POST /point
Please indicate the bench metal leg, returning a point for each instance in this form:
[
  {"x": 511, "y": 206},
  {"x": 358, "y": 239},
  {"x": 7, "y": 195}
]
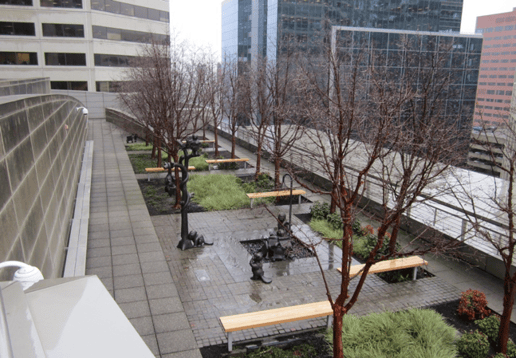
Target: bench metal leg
[
  {"x": 245, "y": 165},
  {"x": 148, "y": 176},
  {"x": 329, "y": 322},
  {"x": 252, "y": 203},
  {"x": 299, "y": 202},
  {"x": 230, "y": 341},
  {"x": 414, "y": 276}
]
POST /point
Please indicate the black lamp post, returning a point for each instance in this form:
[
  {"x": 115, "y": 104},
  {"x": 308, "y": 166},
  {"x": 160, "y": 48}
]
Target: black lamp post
[{"x": 190, "y": 150}]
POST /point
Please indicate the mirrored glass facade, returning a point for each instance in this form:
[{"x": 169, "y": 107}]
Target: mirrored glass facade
[
  {"x": 306, "y": 19},
  {"x": 460, "y": 56}
]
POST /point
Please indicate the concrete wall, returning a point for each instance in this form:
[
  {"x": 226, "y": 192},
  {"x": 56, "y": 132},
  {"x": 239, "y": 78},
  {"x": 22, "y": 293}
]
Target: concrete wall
[
  {"x": 29, "y": 86},
  {"x": 41, "y": 143},
  {"x": 95, "y": 102}
]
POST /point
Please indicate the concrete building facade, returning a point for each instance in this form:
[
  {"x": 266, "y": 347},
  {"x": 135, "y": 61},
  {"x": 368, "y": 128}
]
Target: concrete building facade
[
  {"x": 498, "y": 67},
  {"x": 79, "y": 44}
]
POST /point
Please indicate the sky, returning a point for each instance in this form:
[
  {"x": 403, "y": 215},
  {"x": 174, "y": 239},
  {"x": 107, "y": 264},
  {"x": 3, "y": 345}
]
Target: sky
[{"x": 199, "y": 21}]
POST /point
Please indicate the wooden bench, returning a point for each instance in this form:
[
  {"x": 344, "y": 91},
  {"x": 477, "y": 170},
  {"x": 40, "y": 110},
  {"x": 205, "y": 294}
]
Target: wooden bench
[
  {"x": 268, "y": 194},
  {"x": 243, "y": 321},
  {"x": 208, "y": 141},
  {"x": 219, "y": 161},
  {"x": 149, "y": 171},
  {"x": 390, "y": 265}
]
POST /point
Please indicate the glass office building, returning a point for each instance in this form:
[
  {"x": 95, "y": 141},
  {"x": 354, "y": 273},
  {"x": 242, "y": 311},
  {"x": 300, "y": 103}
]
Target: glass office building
[
  {"x": 460, "y": 56},
  {"x": 273, "y": 19}
]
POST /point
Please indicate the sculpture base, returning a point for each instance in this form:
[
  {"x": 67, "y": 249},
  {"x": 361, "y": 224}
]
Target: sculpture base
[{"x": 193, "y": 240}]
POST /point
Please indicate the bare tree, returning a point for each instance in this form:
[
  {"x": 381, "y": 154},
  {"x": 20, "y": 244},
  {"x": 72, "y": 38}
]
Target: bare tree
[
  {"x": 490, "y": 210},
  {"x": 368, "y": 121},
  {"x": 281, "y": 87},
  {"x": 232, "y": 96},
  {"x": 164, "y": 91},
  {"x": 214, "y": 93},
  {"x": 259, "y": 108}
]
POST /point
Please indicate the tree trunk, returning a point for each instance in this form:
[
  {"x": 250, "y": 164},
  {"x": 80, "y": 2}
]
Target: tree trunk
[
  {"x": 159, "y": 154},
  {"x": 258, "y": 159},
  {"x": 216, "y": 133},
  {"x": 177, "y": 205},
  {"x": 338, "y": 314},
  {"x": 509, "y": 291},
  {"x": 153, "y": 154},
  {"x": 277, "y": 162},
  {"x": 233, "y": 145}
]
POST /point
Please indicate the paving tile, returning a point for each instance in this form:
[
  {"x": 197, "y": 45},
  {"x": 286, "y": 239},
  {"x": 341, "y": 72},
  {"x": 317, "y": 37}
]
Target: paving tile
[
  {"x": 194, "y": 353},
  {"x": 124, "y": 249},
  {"x": 130, "y": 295},
  {"x": 152, "y": 267},
  {"x": 152, "y": 343},
  {"x": 177, "y": 341},
  {"x": 165, "y": 305},
  {"x": 143, "y": 325},
  {"x": 126, "y": 270},
  {"x": 170, "y": 322},
  {"x": 161, "y": 291},
  {"x": 157, "y": 278},
  {"x": 130, "y": 281}
]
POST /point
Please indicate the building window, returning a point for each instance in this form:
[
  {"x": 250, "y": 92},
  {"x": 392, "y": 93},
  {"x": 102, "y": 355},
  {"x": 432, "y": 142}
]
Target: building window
[
  {"x": 107, "y": 86},
  {"x": 65, "y": 59},
  {"x": 63, "y": 30},
  {"x": 16, "y": 2},
  {"x": 508, "y": 93},
  {"x": 108, "y": 33},
  {"x": 17, "y": 28},
  {"x": 74, "y": 4},
  {"x": 125, "y": 9},
  {"x": 112, "y": 60},
  {"x": 18, "y": 58},
  {"x": 69, "y": 85}
]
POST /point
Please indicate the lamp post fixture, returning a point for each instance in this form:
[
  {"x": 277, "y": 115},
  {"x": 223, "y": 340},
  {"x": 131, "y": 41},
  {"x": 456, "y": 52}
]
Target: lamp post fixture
[{"x": 191, "y": 148}]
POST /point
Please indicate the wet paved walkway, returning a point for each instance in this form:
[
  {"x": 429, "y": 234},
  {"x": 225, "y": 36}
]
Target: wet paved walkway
[
  {"x": 124, "y": 251},
  {"x": 174, "y": 298}
]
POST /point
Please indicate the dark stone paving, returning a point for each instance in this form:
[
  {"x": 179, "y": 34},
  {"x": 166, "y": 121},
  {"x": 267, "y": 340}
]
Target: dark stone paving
[{"x": 215, "y": 281}]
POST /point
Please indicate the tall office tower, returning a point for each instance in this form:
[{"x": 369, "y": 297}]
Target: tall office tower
[
  {"x": 79, "y": 44},
  {"x": 498, "y": 67},
  {"x": 236, "y": 29},
  {"x": 302, "y": 20}
]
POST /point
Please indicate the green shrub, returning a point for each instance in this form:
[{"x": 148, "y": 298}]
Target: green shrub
[
  {"x": 406, "y": 334},
  {"x": 363, "y": 246},
  {"x": 500, "y": 355},
  {"x": 335, "y": 221},
  {"x": 218, "y": 192},
  {"x": 320, "y": 211},
  {"x": 326, "y": 230},
  {"x": 138, "y": 146},
  {"x": 511, "y": 349},
  {"x": 489, "y": 326},
  {"x": 357, "y": 228},
  {"x": 473, "y": 345},
  {"x": 199, "y": 163}
]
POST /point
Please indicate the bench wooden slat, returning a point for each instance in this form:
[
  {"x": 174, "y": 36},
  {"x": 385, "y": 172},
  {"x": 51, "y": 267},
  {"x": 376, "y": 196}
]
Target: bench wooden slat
[
  {"x": 389, "y": 265},
  {"x": 276, "y": 316},
  {"x": 156, "y": 170},
  {"x": 217, "y": 161},
  {"x": 275, "y": 193}
]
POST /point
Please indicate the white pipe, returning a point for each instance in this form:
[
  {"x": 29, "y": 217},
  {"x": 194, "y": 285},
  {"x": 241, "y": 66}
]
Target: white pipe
[{"x": 26, "y": 275}]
